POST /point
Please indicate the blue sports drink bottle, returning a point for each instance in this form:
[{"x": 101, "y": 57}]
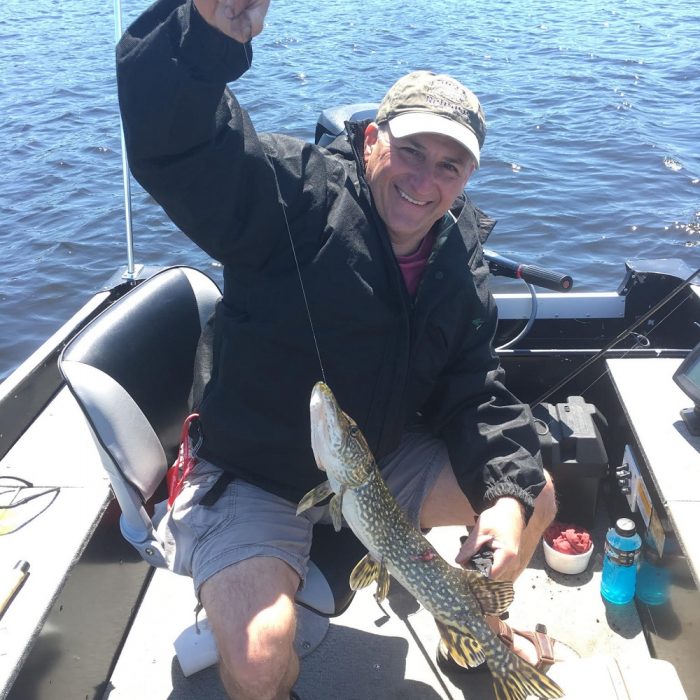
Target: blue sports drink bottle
[{"x": 622, "y": 547}]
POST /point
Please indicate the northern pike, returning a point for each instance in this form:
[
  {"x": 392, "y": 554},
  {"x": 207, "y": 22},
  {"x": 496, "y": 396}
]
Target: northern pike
[{"x": 457, "y": 598}]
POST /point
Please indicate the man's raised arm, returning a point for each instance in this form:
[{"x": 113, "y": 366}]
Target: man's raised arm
[{"x": 189, "y": 143}]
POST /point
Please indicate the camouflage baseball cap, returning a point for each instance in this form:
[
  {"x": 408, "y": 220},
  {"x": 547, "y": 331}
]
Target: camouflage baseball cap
[{"x": 425, "y": 102}]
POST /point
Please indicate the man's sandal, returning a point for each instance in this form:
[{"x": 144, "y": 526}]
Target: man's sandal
[{"x": 548, "y": 649}]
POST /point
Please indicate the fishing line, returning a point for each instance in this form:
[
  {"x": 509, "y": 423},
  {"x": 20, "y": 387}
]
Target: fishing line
[
  {"x": 619, "y": 338},
  {"x": 301, "y": 282},
  {"x": 294, "y": 254},
  {"x": 642, "y": 342}
]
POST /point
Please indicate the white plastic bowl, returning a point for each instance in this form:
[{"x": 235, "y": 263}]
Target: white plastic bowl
[{"x": 566, "y": 563}]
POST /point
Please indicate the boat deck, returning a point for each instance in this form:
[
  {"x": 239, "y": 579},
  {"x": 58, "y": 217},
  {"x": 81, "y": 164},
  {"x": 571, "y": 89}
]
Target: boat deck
[
  {"x": 369, "y": 652},
  {"x": 385, "y": 651}
]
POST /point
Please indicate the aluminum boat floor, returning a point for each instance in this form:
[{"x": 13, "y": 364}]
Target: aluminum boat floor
[
  {"x": 370, "y": 652},
  {"x": 374, "y": 652}
]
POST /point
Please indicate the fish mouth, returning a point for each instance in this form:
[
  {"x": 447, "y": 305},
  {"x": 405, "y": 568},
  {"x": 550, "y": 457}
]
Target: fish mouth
[
  {"x": 324, "y": 423},
  {"x": 326, "y": 426},
  {"x": 322, "y": 404}
]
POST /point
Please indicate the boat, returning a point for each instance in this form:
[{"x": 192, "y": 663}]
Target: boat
[{"x": 97, "y": 616}]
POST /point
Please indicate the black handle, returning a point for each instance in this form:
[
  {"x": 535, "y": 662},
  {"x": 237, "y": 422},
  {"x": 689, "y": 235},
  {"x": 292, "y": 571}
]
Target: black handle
[
  {"x": 545, "y": 278},
  {"x": 505, "y": 267}
]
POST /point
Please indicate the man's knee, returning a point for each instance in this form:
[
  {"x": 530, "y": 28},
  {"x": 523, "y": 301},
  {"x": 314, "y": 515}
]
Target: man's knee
[{"x": 250, "y": 607}]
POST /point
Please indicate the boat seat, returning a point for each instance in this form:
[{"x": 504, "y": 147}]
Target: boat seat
[{"x": 131, "y": 371}]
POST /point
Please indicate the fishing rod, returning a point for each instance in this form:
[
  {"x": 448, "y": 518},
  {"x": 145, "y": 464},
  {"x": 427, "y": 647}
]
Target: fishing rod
[
  {"x": 130, "y": 273},
  {"x": 619, "y": 338}
]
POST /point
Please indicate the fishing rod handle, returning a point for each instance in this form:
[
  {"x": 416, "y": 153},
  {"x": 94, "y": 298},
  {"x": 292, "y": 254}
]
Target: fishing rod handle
[{"x": 548, "y": 279}]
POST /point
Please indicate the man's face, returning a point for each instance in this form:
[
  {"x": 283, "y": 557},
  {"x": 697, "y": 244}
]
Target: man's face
[{"x": 414, "y": 180}]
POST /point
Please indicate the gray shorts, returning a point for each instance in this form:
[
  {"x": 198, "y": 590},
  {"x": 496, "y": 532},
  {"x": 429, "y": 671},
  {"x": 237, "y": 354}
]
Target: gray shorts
[{"x": 246, "y": 521}]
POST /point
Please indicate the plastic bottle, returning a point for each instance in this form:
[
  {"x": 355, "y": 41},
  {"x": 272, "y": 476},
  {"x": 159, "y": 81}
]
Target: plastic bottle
[{"x": 622, "y": 546}]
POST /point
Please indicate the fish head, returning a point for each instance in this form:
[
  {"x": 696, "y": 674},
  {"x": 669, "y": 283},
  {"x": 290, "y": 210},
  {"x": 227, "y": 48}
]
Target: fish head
[{"x": 339, "y": 447}]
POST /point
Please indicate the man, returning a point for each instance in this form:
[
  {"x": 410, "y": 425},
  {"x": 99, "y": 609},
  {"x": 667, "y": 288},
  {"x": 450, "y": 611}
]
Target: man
[{"x": 388, "y": 251}]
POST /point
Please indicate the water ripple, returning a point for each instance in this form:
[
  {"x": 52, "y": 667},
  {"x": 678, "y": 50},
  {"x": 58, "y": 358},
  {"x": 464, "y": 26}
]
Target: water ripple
[{"x": 591, "y": 157}]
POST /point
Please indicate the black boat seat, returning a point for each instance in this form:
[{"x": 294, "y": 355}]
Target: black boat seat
[{"x": 131, "y": 371}]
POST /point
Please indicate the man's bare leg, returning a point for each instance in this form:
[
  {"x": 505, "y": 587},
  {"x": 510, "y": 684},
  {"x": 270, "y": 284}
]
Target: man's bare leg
[{"x": 250, "y": 608}]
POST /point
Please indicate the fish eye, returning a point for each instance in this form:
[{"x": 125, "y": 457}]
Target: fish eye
[{"x": 353, "y": 430}]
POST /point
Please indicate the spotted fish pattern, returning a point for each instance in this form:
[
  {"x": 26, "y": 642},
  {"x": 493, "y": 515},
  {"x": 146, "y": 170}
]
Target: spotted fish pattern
[{"x": 457, "y": 598}]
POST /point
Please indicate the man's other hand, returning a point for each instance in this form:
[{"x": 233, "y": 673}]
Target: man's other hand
[
  {"x": 239, "y": 19},
  {"x": 500, "y": 528}
]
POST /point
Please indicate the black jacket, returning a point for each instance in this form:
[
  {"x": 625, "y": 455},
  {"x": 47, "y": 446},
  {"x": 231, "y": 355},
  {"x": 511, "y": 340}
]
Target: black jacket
[{"x": 391, "y": 360}]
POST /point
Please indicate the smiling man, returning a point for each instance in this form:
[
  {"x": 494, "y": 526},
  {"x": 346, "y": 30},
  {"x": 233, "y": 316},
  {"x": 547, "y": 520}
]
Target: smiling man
[
  {"x": 388, "y": 247},
  {"x": 420, "y": 153}
]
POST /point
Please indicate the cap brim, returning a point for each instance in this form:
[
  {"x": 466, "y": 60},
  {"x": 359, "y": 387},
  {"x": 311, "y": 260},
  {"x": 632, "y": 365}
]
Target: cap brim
[{"x": 411, "y": 123}]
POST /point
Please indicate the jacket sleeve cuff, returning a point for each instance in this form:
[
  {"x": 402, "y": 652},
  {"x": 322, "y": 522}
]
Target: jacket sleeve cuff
[
  {"x": 209, "y": 54},
  {"x": 511, "y": 490}
]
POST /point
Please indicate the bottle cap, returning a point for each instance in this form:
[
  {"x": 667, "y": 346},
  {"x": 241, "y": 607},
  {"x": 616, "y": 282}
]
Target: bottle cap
[{"x": 625, "y": 527}]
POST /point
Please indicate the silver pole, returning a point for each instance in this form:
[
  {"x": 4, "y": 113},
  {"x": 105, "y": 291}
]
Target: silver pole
[{"x": 130, "y": 269}]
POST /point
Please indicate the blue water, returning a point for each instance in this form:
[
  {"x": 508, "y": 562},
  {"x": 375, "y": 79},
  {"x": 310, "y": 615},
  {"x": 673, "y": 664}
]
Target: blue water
[{"x": 592, "y": 153}]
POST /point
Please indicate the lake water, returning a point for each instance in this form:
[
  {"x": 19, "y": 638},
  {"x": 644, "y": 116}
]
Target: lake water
[{"x": 592, "y": 154}]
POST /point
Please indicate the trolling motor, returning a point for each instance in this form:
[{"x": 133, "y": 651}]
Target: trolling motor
[{"x": 501, "y": 266}]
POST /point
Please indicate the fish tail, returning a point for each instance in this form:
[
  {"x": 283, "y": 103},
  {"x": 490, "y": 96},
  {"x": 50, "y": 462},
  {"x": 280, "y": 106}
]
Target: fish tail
[{"x": 520, "y": 680}]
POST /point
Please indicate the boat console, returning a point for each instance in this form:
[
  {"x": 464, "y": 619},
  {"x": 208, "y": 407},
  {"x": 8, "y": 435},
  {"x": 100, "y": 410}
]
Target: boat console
[{"x": 659, "y": 478}]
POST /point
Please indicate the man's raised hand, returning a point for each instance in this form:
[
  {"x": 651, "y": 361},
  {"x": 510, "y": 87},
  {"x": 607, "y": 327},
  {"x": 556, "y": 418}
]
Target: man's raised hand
[{"x": 239, "y": 19}]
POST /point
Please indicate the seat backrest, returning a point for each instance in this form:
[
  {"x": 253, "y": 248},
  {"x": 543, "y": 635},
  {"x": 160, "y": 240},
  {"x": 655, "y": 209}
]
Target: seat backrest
[{"x": 131, "y": 371}]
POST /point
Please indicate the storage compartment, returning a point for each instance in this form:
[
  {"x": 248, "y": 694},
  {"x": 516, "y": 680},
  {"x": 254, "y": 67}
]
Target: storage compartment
[{"x": 574, "y": 454}]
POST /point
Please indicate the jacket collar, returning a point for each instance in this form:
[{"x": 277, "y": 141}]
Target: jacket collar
[{"x": 350, "y": 144}]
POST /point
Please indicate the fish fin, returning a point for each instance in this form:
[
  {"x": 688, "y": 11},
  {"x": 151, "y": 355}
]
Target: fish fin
[
  {"x": 383, "y": 583},
  {"x": 462, "y": 648},
  {"x": 493, "y": 596},
  {"x": 315, "y": 496},
  {"x": 366, "y": 571},
  {"x": 518, "y": 680},
  {"x": 336, "y": 510}
]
